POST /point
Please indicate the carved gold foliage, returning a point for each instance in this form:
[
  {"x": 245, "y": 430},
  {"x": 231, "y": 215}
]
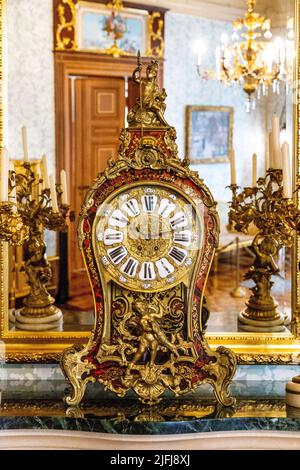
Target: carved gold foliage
[
  {"x": 74, "y": 369},
  {"x": 155, "y": 35},
  {"x": 66, "y": 8},
  {"x": 221, "y": 372},
  {"x": 12, "y": 227},
  {"x": 31, "y": 357},
  {"x": 267, "y": 358}
]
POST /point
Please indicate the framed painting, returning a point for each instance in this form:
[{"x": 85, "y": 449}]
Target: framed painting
[
  {"x": 209, "y": 132},
  {"x": 100, "y": 31}
]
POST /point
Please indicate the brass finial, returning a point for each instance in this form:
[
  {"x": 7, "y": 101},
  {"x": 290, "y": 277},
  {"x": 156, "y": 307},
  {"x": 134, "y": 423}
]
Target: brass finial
[{"x": 150, "y": 107}]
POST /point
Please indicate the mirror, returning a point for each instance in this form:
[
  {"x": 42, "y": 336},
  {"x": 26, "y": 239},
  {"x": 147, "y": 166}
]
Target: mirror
[{"x": 54, "y": 94}]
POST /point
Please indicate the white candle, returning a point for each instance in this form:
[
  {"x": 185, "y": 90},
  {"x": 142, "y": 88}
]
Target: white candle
[
  {"x": 267, "y": 152},
  {"x": 232, "y": 167},
  {"x": 254, "y": 169},
  {"x": 4, "y": 175},
  {"x": 63, "y": 180},
  {"x": 53, "y": 194},
  {"x": 25, "y": 145},
  {"x": 276, "y": 142},
  {"x": 45, "y": 172},
  {"x": 271, "y": 152},
  {"x": 286, "y": 171}
]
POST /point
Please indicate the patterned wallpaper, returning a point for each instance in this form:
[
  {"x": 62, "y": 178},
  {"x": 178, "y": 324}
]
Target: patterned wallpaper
[
  {"x": 185, "y": 88},
  {"x": 31, "y": 83},
  {"x": 31, "y": 77},
  {"x": 31, "y": 88}
]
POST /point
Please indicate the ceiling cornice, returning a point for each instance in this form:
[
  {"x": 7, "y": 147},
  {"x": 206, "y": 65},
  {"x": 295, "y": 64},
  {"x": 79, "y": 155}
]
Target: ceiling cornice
[
  {"x": 224, "y": 10},
  {"x": 213, "y": 9}
]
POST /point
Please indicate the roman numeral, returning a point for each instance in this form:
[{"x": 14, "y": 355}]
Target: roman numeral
[
  {"x": 131, "y": 208},
  {"x": 117, "y": 254},
  {"x": 184, "y": 238},
  {"x": 149, "y": 202},
  {"x": 147, "y": 272},
  {"x": 166, "y": 207},
  {"x": 130, "y": 267},
  {"x": 112, "y": 236},
  {"x": 118, "y": 219},
  {"x": 164, "y": 267},
  {"x": 179, "y": 220},
  {"x": 178, "y": 254}
]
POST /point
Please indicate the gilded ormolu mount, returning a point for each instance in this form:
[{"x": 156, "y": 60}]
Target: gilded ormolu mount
[
  {"x": 149, "y": 334},
  {"x": 276, "y": 219}
]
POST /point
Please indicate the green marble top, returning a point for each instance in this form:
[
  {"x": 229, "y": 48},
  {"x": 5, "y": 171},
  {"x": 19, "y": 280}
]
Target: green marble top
[{"x": 173, "y": 416}]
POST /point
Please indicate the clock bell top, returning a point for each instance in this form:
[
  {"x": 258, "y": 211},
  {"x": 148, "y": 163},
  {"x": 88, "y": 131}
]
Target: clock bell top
[{"x": 150, "y": 107}]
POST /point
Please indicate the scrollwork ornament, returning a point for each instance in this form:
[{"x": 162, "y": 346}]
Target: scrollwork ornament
[
  {"x": 155, "y": 35},
  {"x": 65, "y": 32},
  {"x": 12, "y": 227}
]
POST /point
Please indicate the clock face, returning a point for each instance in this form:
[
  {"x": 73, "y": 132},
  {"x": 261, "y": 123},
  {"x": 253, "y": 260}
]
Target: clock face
[{"x": 147, "y": 237}]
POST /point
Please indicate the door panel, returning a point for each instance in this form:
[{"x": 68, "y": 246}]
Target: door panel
[{"x": 99, "y": 113}]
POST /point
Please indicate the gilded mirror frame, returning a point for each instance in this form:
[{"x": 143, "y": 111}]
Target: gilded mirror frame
[{"x": 250, "y": 348}]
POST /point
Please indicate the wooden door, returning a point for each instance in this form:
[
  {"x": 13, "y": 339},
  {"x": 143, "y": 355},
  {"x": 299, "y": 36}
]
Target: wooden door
[{"x": 99, "y": 116}]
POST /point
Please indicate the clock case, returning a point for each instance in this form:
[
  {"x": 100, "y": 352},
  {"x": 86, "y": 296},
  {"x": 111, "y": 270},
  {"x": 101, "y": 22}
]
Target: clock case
[{"x": 148, "y": 342}]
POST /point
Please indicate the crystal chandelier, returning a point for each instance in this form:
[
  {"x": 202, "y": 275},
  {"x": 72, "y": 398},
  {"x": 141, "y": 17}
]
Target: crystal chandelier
[{"x": 252, "y": 60}]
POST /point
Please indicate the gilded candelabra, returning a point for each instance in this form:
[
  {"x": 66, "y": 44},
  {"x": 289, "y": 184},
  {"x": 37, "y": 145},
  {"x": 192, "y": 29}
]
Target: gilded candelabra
[
  {"x": 23, "y": 222},
  {"x": 276, "y": 219}
]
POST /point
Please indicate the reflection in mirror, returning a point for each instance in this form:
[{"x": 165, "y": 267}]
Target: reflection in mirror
[
  {"x": 214, "y": 119},
  {"x": 213, "y": 83}
]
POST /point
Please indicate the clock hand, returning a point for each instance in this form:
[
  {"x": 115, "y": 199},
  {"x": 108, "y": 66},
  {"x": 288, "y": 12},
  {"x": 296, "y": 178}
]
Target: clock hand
[{"x": 158, "y": 235}]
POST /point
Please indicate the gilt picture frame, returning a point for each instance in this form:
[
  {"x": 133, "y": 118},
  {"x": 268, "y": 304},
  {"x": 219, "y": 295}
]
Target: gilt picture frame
[
  {"x": 92, "y": 19},
  {"x": 209, "y": 133}
]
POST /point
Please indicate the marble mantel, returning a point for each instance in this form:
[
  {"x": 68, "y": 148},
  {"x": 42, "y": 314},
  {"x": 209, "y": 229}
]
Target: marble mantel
[{"x": 33, "y": 415}]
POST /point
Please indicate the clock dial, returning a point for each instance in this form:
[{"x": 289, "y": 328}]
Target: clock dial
[{"x": 148, "y": 238}]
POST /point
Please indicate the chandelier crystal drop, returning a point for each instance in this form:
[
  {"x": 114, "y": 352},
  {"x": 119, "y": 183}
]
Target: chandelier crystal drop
[{"x": 253, "y": 59}]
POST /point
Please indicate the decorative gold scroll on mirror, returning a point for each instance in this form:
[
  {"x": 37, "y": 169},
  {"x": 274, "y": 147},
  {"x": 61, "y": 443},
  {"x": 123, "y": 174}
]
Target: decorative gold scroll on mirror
[{"x": 55, "y": 84}]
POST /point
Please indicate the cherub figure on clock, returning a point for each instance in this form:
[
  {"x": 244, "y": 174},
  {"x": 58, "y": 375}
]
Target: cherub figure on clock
[{"x": 148, "y": 231}]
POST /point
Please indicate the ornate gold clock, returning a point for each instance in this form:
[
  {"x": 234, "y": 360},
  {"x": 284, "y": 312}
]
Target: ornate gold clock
[
  {"x": 148, "y": 230},
  {"x": 148, "y": 238}
]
